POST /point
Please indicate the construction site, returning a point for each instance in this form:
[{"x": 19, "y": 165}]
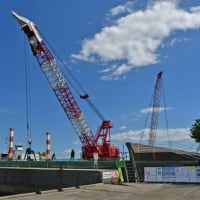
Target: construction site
[{"x": 24, "y": 170}]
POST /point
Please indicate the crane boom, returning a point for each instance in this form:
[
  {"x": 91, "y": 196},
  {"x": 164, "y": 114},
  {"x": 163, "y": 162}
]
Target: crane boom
[
  {"x": 155, "y": 111},
  {"x": 64, "y": 95}
]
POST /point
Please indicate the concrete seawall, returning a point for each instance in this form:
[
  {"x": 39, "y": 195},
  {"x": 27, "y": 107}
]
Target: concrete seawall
[{"x": 22, "y": 180}]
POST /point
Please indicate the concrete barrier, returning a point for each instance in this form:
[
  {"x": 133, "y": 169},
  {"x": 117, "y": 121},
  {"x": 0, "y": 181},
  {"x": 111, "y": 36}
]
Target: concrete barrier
[{"x": 22, "y": 180}]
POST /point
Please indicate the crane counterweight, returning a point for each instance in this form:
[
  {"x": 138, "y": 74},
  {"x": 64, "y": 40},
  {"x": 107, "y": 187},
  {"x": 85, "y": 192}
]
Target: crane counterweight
[{"x": 64, "y": 95}]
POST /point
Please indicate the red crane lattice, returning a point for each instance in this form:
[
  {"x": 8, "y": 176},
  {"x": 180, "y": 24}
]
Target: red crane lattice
[
  {"x": 59, "y": 85},
  {"x": 155, "y": 109}
]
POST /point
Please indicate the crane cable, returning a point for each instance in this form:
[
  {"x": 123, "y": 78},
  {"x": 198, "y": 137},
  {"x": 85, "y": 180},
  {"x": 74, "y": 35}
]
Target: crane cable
[
  {"x": 28, "y": 96},
  {"x": 65, "y": 67},
  {"x": 166, "y": 118},
  {"x": 145, "y": 123},
  {"x": 85, "y": 96},
  {"x": 63, "y": 64}
]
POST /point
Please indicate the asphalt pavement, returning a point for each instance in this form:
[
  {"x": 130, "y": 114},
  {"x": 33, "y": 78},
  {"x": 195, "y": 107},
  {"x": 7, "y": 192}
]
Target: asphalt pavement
[{"x": 126, "y": 191}]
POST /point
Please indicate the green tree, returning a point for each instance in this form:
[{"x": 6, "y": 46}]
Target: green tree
[{"x": 195, "y": 130}]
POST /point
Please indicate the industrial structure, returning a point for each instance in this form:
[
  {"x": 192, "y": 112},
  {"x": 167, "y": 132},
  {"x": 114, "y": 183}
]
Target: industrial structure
[
  {"x": 11, "y": 144},
  {"x": 155, "y": 109},
  {"x": 49, "y": 65},
  {"x": 142, "y": 156},
  {"x": 48, "y": 145}
]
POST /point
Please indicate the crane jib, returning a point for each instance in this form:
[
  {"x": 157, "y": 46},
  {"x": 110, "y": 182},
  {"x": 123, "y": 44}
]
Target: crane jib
[
  {"x": 64, "y": 95},
  {"x": 58, "y": 83}
]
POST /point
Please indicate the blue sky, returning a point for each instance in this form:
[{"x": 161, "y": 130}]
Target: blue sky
[{"x": 115, "y": 50}]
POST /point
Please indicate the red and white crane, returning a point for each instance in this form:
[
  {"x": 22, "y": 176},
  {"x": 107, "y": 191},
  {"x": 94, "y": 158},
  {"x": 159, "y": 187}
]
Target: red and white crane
[
  {"x": 155, "y": 109},
  {"x": 59, "y": 85}
]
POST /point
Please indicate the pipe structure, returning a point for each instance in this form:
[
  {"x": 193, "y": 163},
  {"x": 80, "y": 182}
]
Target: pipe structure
[
  {"x": 48, "y": 142},
  {"x": 11, "y": 144}
]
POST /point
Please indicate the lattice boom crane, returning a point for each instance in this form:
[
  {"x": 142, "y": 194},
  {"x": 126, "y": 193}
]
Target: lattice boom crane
[
  {"x": 64, "y": 95},
  {"x": 155, "y": 111}
]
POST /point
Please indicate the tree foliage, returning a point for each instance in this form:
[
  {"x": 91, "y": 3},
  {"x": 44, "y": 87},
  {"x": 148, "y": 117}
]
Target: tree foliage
[{"x": 195, "y": 130}]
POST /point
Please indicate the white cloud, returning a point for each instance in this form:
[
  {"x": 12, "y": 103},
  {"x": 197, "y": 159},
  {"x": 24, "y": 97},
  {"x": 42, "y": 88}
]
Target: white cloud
[
  {"x": 67, "y": 153},
  {"x": 131, "y": 116},
  {"x": 195, "y": 9},
  {"x": 150, "y": 110},
  {"x": 177, "y": 40},
  {"x": 129, "y": 136},
  {"x": 173, "y": 41},
  {"x": 121, "y": 9},
  {"x": 133, "y": 40},
  {"x": 176, "y": 137},
  {"x": 6, "y": 111},
  {"x": 77, "y": 142},
  {"x": 122, "y": 127}
]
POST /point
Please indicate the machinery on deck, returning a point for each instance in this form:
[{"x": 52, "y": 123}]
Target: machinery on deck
[
  {"x": 155, "y": 111},
  {"x": 59, "y": 85}
]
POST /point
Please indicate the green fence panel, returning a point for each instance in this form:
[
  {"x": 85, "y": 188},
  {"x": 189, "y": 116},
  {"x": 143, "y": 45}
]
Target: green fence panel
[{"x": 78, "y": 164}]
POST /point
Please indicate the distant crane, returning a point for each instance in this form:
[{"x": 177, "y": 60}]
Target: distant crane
[
  {"x": 155, "y": 109},
  {"x": 59, "y": 85}
]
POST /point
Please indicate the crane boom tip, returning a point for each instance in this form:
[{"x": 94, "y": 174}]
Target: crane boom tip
[
  {"x": 22, "y": 20},
  {"x": 13, "y": 13}
]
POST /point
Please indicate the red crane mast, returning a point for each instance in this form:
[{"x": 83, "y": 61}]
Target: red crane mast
[
  {"x": 59, "y": 85},
  {"x": 155, "y": 109}
]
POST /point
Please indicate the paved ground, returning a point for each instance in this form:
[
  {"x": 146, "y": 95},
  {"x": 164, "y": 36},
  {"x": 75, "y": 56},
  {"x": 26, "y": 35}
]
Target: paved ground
[{"x": 118, "y": 192}]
